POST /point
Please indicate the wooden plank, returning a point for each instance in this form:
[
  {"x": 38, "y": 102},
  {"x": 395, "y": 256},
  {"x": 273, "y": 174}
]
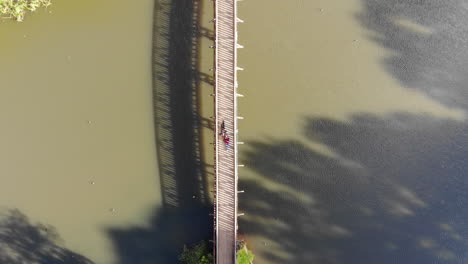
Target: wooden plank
[{"x": 226, "y": 110}]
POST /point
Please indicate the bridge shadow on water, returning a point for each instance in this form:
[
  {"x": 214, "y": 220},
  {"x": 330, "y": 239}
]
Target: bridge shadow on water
[
  {"x": 185, "y": 215},
  {"x": 378, "y": 188}
]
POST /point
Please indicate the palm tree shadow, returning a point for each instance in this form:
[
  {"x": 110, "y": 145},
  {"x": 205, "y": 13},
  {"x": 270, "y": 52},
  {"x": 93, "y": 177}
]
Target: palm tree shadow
[
  {"x": 427, "y": 40},
  {"x": 376, "y": 189},
  {"x": 388, "y": 190},
  {"x": 24, "y": 242}
]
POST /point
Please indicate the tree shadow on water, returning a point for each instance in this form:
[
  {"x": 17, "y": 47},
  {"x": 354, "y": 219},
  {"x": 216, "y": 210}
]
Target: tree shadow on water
[
  {"x": 428, "y": 43},
  {"x": 376, "y": 189},
  {"x": 163, "y": 241},
  {"x": 24, "y": 242},
  {"x": 373, "y": 190}
]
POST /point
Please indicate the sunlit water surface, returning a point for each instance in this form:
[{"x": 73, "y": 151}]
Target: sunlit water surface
[
  {"x": 78, "y": 149},
  {"x": 355, "y": 131}
]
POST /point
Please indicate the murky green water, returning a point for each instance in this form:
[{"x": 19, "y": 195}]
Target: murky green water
[
  {"x": 77, "y": 126},
  {"x": 105, "y": 132},
  {"x": 355, "y": 131}
]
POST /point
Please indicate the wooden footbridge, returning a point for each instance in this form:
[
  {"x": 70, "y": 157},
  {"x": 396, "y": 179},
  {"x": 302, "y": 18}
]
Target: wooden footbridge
[{"x": 225, "y": 71}]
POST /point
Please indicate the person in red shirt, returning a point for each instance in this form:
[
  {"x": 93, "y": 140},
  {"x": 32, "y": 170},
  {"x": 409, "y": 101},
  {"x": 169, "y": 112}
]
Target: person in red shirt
[{"x": 226, "y": 141}]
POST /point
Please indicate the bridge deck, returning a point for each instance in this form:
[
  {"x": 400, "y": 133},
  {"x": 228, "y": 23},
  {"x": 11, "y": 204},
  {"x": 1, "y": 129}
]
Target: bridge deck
[{"x": 226, "y": 110}]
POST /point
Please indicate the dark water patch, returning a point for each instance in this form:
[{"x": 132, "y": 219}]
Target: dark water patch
[
  {"x": 176, "y": 90},
  {"x": 184, "y": 217},
  {"x": 22, "y": 241},
  {"x": 434, "y": 59},
  {"x": 393, "y": 192},
  {"x": 164, "y": 239}
]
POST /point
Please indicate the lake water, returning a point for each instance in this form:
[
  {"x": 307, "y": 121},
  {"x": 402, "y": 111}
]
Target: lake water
[
  {"x": 355, "y": 131},
  {"x": 105, "y": 119},
  {"x": 78, "y": 150}
]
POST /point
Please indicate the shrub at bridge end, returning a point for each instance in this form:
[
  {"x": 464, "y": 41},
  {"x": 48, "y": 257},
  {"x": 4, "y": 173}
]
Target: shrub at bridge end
[
  {"x": 244, "y": 255},
  {"x": 196, "y": 254}
]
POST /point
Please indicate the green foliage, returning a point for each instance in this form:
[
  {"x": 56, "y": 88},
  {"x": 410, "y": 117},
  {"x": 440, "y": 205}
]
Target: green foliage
[
  {"x": 17, "y": 8},
  {"x": 196, "y": 254},
  {"x": 204, "y": 260},
  {"x": 244, "y": 256}
]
